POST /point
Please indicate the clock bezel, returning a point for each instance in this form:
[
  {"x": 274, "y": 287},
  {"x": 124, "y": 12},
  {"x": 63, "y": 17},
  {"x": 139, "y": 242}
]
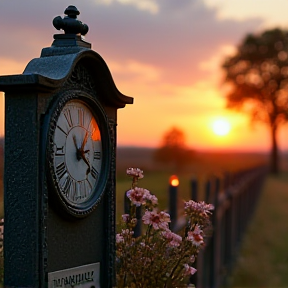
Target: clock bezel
[{"x": 59, "y": 202}]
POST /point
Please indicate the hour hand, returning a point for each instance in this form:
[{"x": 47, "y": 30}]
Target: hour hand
[
  {"x": 75, "y": 142},
  {"x": 78, "y": 151}
]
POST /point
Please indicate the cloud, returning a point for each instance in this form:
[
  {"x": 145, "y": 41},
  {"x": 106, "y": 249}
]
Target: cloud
[
  {"x": 147, "y": 5},
  {"x": 174, "y": 40},
  {"x": 273, "y": 13}
]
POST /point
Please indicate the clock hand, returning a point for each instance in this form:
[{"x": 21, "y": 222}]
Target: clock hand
[
  {"x": 84, "y": 141},
  {"x": 83, "y": 152},
  {"x": 78, "y": 151},
  {"x": 75, "y": 142}
]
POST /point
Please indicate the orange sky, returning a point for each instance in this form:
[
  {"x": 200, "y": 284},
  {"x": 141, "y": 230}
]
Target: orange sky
[{"x": 165, "y": 54}]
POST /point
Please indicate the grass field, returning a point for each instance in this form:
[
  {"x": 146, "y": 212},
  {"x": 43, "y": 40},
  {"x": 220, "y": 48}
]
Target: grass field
[
  {"x": 157, "y": 176},
  {"x": 263, "y": 259}
]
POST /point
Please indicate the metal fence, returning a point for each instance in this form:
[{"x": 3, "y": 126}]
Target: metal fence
[
  {"x": 235, "y": 198},
  {"x": 234, "y": 207}
]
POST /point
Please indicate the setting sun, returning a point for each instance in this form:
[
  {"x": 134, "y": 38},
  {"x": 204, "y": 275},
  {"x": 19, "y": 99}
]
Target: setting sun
[{"x": 221, "y": 127}]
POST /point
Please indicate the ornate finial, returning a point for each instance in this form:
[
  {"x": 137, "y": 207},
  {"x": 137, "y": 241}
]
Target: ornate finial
[{"x": 69, "y": 23}]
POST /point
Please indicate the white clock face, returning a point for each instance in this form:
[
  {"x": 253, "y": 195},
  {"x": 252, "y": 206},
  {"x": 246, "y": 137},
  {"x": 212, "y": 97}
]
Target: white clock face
[{"x": 77, "y": 152}]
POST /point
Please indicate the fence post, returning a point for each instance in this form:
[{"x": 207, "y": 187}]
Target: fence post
[
  {"x": 205, "y": 262},
  {"x": 173, "y": 191},
  {"x": 208, "y": 191},
  {"x": 194, "y": 189},
  {"x": 216, "y": 238}
]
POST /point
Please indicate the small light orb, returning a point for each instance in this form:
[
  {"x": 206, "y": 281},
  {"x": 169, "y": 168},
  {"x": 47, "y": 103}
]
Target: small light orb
[{"x": 174, "y": 181}]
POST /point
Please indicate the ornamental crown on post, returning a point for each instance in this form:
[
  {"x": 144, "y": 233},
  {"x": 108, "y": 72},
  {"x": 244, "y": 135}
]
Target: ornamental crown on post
[{"x": 69, "y": 23}]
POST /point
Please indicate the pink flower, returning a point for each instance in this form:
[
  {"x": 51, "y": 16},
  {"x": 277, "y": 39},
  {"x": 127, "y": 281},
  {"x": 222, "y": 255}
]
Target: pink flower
[
  {"x": 200, "y": 207},
  {"x": 195, "y": 236},
  {"x": 137, "y": 195},
  {"x": 165, "y": 217},
  {"x": 126, "y": 233},
  {"x": 174, "y": 239},
  {"x": 157, "y": 220},
  {"x": 188, "y": 270},
  {"x": 119, "y": 238},
  {"x": 135, "y": 172},
  {"x": 126, "y": 218},
  {"x": 151, "y": 198}
]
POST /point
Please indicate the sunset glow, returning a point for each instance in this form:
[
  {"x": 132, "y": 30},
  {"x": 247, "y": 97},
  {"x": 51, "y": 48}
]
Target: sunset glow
[
  {"x": 173, "y": 72},
  {"x": 221, "y": 127}
]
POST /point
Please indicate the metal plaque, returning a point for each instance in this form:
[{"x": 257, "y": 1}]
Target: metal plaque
[{"x": 86, "y": 276}]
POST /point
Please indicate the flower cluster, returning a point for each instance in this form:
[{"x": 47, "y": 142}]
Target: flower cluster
[
  {"x": 198, "y": 211},
  {"x": 159, "y": 257},
  {"x": 135, "y": 172}
]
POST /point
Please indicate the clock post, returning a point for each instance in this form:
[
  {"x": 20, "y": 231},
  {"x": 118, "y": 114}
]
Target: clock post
[{"x": 60, "y": 162}]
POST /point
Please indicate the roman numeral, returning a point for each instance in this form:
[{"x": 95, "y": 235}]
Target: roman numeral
[
  {"x": 67, "y": 114},
  {"x": 66, "y": 186},
  {"x": 94, "y": 173},
  {"x": 86, "y": 188},
  {"x": 97, "y": 155},
  {"x": 61, "y": 170},
  {"x": 60, "y": 151},
  {"x": 81, "y": 117},
  {"x": 77, "y": 191}
]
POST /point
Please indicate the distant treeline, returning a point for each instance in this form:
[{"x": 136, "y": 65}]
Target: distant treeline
[{"x": 204, "y": 162}]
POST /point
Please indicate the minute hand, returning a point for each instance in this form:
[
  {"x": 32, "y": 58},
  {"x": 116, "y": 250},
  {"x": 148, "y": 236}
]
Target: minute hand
[
  {"x": 84, "y": 142},
  {"x": 82, "y": 153}
]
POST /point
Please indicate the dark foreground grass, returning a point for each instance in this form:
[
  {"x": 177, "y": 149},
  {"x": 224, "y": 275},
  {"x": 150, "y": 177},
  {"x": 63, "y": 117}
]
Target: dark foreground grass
[{"x": 263, "y": 259}]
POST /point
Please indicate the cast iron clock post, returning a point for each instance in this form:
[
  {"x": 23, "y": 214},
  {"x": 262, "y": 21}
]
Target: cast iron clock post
[{"x": 60, "y": 162}]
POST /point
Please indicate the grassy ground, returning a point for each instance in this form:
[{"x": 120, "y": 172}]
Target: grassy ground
[
  {"x": 156, "y": 177},
  {"x": 263, "y": 259}
]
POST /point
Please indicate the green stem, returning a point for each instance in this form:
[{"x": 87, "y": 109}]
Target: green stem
[{"x": 177, "y": 263}]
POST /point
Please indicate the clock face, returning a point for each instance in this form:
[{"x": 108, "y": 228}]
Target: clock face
[{"x": 76, "y": 154}]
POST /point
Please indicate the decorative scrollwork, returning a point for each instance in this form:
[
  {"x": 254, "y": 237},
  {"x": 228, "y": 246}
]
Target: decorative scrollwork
[{"x": 81, "y": 79}]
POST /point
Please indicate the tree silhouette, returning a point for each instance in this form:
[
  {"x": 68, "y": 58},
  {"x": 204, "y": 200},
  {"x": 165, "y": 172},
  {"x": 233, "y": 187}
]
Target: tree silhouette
[
  {"x": 173, "y": 149},
  {"x": 258, "y": 75}
]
